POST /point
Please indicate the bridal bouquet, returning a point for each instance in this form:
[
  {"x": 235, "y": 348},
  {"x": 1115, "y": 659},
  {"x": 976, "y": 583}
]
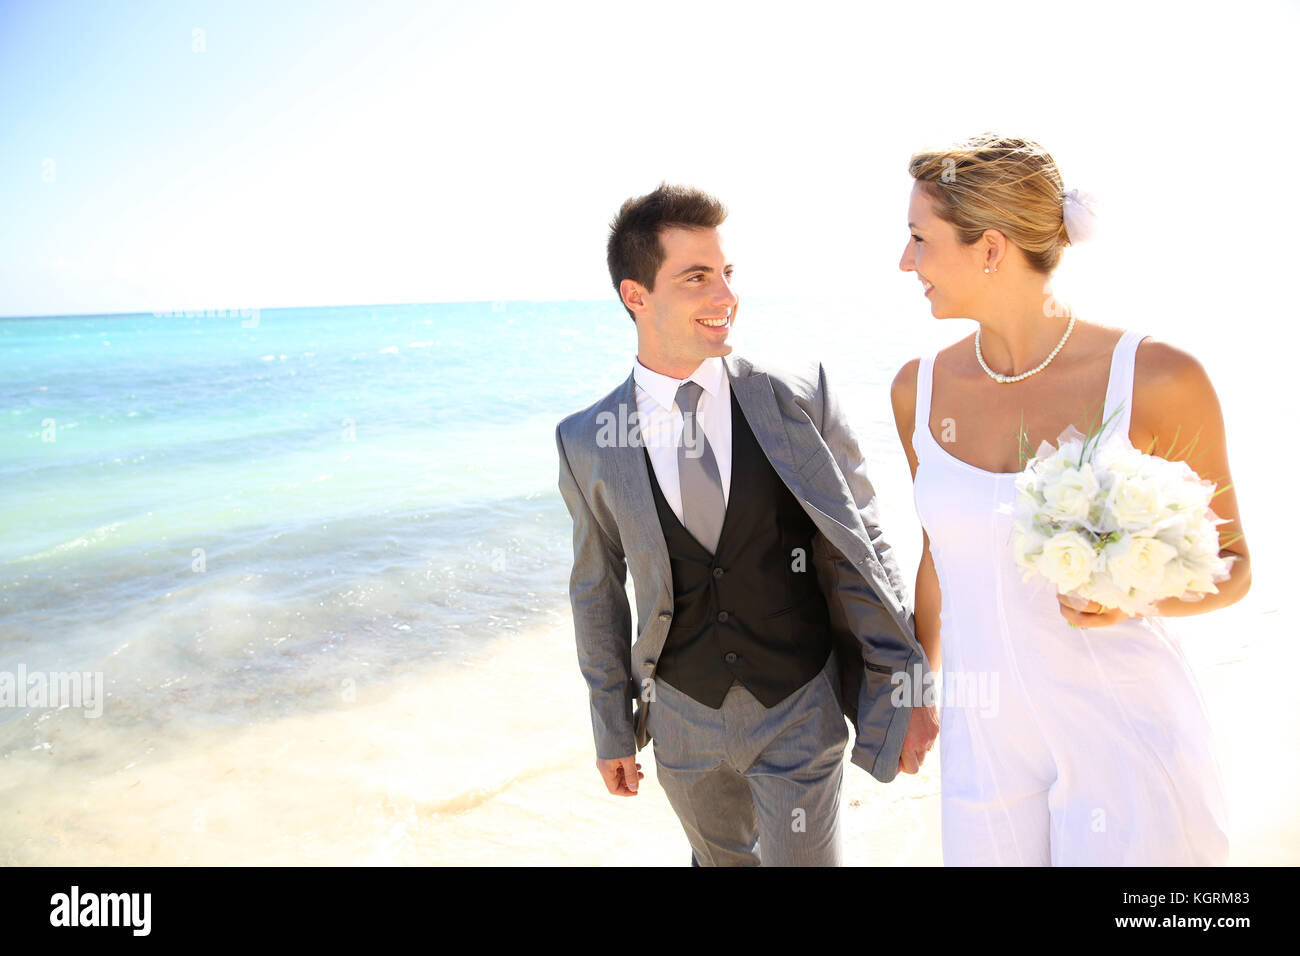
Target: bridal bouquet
[{"x": 1106, "y": 523}]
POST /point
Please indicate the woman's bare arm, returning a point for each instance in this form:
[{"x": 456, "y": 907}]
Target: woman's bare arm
[
  {"x": 928, "y": 599},
  {"x": 1174, "y": 404},
  {"x": 1176, "y": 415}
]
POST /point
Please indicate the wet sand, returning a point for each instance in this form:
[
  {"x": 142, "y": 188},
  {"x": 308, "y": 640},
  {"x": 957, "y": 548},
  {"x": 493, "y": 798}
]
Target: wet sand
[{"x": 445, "y": 768}]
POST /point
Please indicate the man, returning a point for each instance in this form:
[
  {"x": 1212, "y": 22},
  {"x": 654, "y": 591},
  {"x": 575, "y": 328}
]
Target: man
[{"x": 769, "y": 605}]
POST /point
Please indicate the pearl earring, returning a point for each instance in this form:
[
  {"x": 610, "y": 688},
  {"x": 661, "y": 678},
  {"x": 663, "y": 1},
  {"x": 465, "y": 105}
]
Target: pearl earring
[{"x": 986, "y": 269}]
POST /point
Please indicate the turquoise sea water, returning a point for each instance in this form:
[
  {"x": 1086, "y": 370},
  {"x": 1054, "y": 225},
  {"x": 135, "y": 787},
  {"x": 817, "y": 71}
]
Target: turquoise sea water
[{"x": 225, "y": 520}]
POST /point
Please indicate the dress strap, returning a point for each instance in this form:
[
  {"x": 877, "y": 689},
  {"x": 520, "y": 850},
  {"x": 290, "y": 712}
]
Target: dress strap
[
  {"x": 924, "y": 387},
  {"x": 1119, "y": 388}
]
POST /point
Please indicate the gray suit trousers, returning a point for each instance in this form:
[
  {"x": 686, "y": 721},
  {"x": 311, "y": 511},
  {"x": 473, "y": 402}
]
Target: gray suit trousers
[{"x": 750, "y": 784}]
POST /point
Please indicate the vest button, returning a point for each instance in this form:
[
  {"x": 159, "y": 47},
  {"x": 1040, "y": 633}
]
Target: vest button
[
  {"x": 730, "y": 658},
  {"x": 722, "y": 617},
  {"x": 665, "y": 616},
  {"x": 717, "y": 572}
]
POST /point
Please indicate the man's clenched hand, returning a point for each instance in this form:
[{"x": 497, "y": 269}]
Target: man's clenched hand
[
  {"x": 620, "y": 775},
  {"x": 921, "y": 731}
]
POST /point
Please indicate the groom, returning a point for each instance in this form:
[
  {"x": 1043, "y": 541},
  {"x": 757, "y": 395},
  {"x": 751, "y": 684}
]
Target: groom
[{"x": 769, "y": 605}]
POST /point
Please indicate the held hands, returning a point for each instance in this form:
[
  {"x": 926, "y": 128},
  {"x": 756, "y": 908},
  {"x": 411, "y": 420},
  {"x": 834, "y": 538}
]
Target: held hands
[
  {"x": 1080, "y": 613},
  {"x": 620, "y": 775},
  {"x": 921, "y": 731}
]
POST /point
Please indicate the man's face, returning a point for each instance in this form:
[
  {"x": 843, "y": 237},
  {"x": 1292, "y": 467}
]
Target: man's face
[{"x": 689, "y": 315}]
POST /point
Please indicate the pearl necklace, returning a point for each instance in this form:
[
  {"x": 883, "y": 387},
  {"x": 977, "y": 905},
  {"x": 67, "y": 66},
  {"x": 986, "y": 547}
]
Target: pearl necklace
[{"x": 1005, "y": 379}]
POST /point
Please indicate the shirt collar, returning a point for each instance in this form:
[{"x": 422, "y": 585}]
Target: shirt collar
[{"x": 663, "y": 388}]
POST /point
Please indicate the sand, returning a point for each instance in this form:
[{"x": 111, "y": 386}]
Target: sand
[
  {"x": 898, "y": 824},
  {"x": 491, "y": 763}
]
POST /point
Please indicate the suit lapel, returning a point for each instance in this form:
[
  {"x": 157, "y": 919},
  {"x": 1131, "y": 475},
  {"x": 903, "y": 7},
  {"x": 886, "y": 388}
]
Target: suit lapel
[
  {"x": 634, "y": 486},
  {"x": 754, "y": 394}
]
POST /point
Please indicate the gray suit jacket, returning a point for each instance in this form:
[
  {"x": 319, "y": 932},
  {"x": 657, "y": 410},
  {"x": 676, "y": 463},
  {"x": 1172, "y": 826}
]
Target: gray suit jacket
[{"x": 606, "y": 486}]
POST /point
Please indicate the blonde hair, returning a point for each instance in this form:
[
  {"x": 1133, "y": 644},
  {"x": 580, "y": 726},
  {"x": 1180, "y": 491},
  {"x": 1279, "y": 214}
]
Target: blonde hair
[{"x": 998, "y": 182}]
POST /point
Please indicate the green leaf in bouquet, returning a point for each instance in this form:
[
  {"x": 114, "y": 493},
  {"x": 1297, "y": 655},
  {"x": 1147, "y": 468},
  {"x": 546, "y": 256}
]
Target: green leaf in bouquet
[
  {"x": 1187, "y": 452},
  {"x": 1228, "y": 540},
  {"x": 1220, "y": 491},
  {"x": 1174, "y": 453},
  {"x": 1024, "y": 449},
  {"x": 1093, "y": 438},
  {"x": 1173, "y": 443}
]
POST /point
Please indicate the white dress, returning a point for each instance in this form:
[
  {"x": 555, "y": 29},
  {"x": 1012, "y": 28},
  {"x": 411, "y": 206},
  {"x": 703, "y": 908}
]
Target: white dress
[{"x": 1060, "y": 746}]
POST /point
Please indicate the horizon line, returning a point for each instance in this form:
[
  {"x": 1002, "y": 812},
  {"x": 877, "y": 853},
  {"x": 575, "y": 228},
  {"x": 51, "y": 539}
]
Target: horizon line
[
  {"x": 333, "y": 305},
  {"x": 274, "y": 308}
]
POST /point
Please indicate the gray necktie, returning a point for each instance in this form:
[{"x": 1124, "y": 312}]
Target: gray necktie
[{"x": 703, "y": 505}]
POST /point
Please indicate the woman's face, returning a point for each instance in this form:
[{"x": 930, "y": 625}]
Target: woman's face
[{"x": 951, "y": 273}]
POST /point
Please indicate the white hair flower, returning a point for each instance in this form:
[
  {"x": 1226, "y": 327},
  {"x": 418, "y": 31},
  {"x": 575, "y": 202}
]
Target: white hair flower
[{"x": 1080, "y": 212}]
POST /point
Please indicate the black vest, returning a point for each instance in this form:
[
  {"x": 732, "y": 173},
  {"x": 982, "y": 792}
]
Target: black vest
[{"x": 753, "y": 612}]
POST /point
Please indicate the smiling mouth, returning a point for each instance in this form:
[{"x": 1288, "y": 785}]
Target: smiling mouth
[
  {"x": 721, "y": 322},
  {"x": 929, "y": 286}
]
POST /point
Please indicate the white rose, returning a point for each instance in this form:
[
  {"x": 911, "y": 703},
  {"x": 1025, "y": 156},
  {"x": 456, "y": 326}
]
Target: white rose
[
  {"x": 1069, "y": 497},
  {"x": 1194, "y": 537},
  {"x": 1103, "y": 589},
  {"x": 1026, "y": 508},
  {"x": 1040, "y": 472},
  {"x": 1070, "y": 452},
  {"x": 1201, "y": 542},
  {"x": 1183, "y": 576},
  {"x": 1178, "y": 531},
  {"x": 1190, "y": 494},
  {"x": 1138, "y": 562},
  {"x": 1118, "y": 457},
  {"x": 1067, "y": 560},
  {"x": 1135, "y": 502},
  {"x": 1139, "y": 604},
  {"x": 1026, "y": 544}
]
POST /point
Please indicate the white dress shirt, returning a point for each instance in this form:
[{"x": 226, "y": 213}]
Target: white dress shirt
[{"x": 661, "y": 423}]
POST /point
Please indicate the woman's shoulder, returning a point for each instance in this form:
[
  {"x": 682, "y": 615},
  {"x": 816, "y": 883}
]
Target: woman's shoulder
[
  {"x": 1159, "y": 364},
  {"x": 904, "y": 383},
  {"x": 905, "y": 379},
  {"x": 960, "y": 350},
  {"x": 1171, "y": 389},
  {"x": 1156, "y": 356},
  {"x": 902, "y": 391}
]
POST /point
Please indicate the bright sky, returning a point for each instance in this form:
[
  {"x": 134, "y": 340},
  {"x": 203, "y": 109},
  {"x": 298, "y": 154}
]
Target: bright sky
[{"x": 172, "y": 155}]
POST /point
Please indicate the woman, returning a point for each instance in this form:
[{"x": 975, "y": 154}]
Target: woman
[{"x": 1096, "y": 749}]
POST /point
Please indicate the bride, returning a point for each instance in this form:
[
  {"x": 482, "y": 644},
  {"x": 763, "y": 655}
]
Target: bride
[{"x": 1096, "y": 749}]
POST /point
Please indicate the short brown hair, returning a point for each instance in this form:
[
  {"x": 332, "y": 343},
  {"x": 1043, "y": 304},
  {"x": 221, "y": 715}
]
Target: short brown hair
[
  {"x": 634, "y": 250},
  {"x": 1003, "y": 183}
]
